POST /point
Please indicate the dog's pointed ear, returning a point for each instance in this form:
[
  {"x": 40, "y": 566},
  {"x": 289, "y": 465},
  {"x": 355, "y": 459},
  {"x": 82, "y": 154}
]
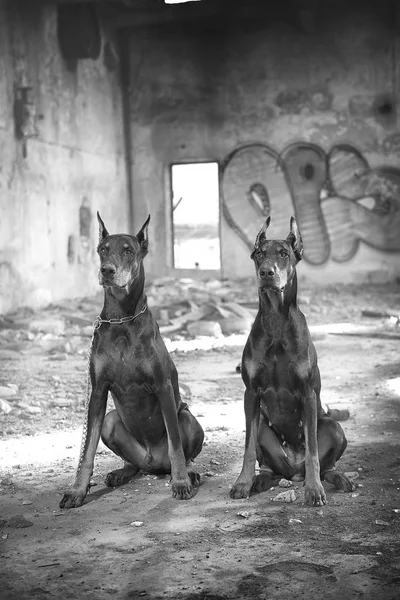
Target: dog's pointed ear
[
  {"x": 295, "y": 240},
  {"x": 143, "y": 235},
  {"x": 103, "y": 233},
  {"x": 261, "y": 236}
]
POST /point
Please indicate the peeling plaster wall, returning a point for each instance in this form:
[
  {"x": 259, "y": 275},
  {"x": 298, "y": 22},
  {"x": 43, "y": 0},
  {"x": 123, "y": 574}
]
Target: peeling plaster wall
[
  {"x": 48, "y": 200},
  {"x": 200, "y": 90}
]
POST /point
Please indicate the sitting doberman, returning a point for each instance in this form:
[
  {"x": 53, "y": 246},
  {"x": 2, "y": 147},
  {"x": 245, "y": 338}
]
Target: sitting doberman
[
  {"x": 151, "y": 429},
  {"x": 287, "y": 430}
]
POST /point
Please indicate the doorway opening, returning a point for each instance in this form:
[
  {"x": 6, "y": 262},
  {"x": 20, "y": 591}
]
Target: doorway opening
[{"x": 195, "y": 216}]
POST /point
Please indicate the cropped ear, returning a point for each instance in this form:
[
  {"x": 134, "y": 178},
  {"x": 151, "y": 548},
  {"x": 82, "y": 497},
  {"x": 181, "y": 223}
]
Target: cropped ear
[
  {"x": 143, "y": 235},
  {"x": 103, "y": 233},
  {"x": 295, "y": 240},
  {"x": 261, "y": 236}
]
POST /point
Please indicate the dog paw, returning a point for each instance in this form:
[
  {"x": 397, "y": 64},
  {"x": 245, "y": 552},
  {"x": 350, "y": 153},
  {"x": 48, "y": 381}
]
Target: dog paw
[
  {"x": 240, "y": 490},
  {"x": 120, "y": 476},
  {"x": 194, "y": 478},
  {"x": 183, "y": 490},
  {"x": 339, "y": 480},
  {"x": 315, "y": 495},
  {"x": 342, "y": 482},
  {"x": 262, "y": 482},
  {"x": 72, "y": 499}
]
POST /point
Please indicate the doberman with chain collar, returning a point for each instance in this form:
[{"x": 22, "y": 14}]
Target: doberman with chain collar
[
  {"x": 151, "y": 429},
  {"x": 287, "y": 431}
]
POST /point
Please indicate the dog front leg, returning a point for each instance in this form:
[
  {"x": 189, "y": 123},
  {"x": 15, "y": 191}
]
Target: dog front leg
[
  {"x": 91, "y": 435},
  {"x": 242, "y": 486},
  {"x": 314, "y": 491},
  {"x": 182, "y": 488}
]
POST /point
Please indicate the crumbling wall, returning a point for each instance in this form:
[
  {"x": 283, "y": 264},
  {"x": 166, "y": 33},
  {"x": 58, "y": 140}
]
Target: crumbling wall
[
  {"x": 52, "y": 184},
  {"x": 300, "y": 109}
]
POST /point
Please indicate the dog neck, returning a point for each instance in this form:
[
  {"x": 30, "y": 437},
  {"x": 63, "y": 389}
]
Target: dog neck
[
  {"x": 125, "y": 302},
  {"x": 275, "y": 305}
]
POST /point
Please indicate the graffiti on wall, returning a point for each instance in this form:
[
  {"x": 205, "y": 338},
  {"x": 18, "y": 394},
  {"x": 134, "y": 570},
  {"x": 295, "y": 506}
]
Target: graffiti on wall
[{"x": 338, "y": 200}]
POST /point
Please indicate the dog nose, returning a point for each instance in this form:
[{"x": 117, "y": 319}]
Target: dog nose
[
  {"x": 108, "y": 270},
  {"x": 265, "y": 273}
]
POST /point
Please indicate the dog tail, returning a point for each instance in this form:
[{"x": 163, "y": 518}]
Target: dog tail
[{"x": 338, "y": 414}]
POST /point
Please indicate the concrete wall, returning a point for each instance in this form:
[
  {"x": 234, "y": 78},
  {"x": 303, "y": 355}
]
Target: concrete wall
[
  {"x": 75, "y": 166},
  {"x": 301, "y": 112}
]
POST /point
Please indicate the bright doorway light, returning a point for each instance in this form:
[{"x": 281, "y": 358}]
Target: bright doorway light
[{"x": 195, "y": 216}]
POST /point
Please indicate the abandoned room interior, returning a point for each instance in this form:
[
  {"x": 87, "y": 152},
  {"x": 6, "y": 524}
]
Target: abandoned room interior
[{"x": 211, "y": 116}]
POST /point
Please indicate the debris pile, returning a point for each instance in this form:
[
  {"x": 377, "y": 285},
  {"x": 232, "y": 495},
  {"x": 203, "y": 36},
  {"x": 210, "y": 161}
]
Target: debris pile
[{"x": 212, "y": 308}]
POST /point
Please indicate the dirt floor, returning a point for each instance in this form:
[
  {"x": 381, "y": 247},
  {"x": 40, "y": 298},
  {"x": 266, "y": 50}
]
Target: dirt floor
[{"x": 137, "y": 542}]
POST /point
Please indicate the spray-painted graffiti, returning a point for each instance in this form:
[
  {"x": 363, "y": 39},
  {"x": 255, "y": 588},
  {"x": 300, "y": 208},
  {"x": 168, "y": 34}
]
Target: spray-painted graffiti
[{"x": 336, "y": 197}]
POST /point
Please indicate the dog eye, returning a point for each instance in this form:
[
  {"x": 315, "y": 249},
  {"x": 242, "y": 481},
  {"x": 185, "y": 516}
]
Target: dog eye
[
  {"x": 128, "y": 251},
  {"x": 103, "y": 251},
  {"x": 284, "y": 254}
]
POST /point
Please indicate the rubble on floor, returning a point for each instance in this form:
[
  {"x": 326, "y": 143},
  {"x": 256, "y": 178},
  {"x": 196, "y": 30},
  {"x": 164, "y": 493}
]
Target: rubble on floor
[{"x": 192, "y": 315}]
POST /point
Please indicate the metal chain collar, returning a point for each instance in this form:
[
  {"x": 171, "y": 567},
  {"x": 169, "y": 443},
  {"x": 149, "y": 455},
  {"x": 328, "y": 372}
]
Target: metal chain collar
[{"x": 98, "y": 321}]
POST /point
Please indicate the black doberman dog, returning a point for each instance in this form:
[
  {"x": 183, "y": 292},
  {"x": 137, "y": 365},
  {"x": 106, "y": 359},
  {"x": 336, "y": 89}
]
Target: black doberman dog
[
  {"x": 287, "y": 430},
  {"x": 151, "y": 429}
]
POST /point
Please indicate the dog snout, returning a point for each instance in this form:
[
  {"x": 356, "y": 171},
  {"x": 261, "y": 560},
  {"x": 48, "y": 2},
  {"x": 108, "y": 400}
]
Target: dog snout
[
  {"x": 267, "y": 272},
  {"x": 108, "y": 270}
]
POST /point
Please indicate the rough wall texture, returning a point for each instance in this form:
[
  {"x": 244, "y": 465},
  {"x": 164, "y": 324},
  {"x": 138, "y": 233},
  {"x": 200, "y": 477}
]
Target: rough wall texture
[
  {"x": 301, "y": 112},
  {"x": 75, "y": 166}
]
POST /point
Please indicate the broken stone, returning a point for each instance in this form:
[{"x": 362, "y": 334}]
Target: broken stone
[
  {"x": 204, "y": 328},
  {"x": 245, "y": 514},
  {"x": 352, "y": 474},
  {"x": 137, "y": 523},
  {"x": 33, "y": 410},
  {"x": 285, "y": 483},
  {"x": 5, "y": 407},
  {"x": 288, "y": 496},
  {"x": 7, "y": 391},
  {"x": 62, "y": 402}
]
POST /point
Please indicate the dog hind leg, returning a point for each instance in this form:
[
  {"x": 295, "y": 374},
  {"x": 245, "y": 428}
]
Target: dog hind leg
[
  {"x": 192, "y": 437},
  {"x": 331, "y": 445},
  {"x": 115, "y": 436}
]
